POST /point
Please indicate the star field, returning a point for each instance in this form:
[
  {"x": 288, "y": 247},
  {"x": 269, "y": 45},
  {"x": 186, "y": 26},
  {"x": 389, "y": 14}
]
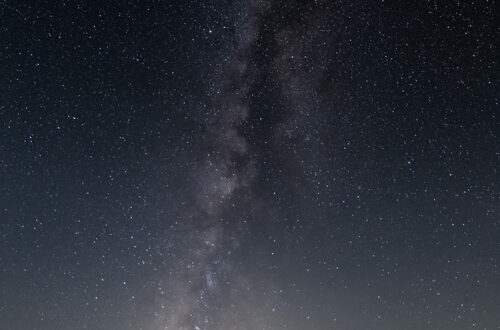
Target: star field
[{"x": 249, "y": 165}]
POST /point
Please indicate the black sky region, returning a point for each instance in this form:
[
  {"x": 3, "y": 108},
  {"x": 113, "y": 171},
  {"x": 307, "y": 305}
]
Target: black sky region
[{"x": 249, "y": 165}]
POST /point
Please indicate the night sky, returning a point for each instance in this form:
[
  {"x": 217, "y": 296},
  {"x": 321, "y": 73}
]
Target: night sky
[{"x": 249, "y": 165}]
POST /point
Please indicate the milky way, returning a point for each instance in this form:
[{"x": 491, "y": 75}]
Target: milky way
[
  {"x": 249, "y": 165},
  {"x": 225, "y": 170}
]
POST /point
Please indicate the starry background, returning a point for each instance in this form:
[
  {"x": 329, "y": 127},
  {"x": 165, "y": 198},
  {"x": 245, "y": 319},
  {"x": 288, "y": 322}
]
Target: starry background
[{"x": 249, "y": 165}]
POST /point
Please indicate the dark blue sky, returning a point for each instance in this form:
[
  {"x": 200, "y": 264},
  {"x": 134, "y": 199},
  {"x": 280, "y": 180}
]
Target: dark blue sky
[{"x": 249, "y": 165}]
